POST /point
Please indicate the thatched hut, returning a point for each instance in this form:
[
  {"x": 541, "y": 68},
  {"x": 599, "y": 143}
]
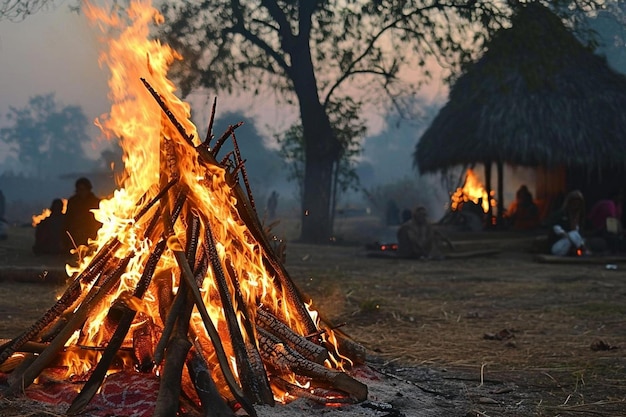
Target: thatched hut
[{"x": 536, "y": 98}]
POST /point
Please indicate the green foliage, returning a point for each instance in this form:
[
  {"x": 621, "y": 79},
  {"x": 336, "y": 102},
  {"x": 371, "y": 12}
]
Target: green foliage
[{"x": 46, "y": 137}]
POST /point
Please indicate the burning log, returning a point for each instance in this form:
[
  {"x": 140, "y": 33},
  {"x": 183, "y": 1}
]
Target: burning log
[
  {"x": 302, "y": 345},
  {"x": 93, "y": 297},
  {"x": 127, "y": 316},
  {"x": 286, "y": 360},
  {"x": 177, "y": 293},
  {"x": 213, "y": 404},
  {"x": 252, "y": 374}
]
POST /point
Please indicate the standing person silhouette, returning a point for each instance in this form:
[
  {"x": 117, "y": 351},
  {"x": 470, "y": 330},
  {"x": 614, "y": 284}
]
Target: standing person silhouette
[
  {"x": 272, "y": 203},
  {"x": 81, "y": 224}
]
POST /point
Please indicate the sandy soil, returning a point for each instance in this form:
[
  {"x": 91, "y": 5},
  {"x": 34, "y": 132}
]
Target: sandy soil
[{"x": 492, "y": 335}]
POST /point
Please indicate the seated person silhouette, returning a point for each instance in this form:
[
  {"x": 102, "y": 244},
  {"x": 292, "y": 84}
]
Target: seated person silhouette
[
  {"x": 50, "y": 232},
  {"x": 81, "y": 224}
]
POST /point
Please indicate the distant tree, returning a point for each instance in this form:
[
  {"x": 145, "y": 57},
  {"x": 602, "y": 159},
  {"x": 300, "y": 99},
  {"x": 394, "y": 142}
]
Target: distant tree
[
  {"x": 315, "y": 52},
  {"x": 47, "y": 137}
]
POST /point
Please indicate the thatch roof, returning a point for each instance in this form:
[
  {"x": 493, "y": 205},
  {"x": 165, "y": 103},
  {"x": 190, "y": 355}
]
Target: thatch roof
[{"x": 537, "y": 97}]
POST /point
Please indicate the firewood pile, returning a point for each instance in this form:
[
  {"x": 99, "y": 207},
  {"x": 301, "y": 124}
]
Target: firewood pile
[{"x": 189, "y": 288}]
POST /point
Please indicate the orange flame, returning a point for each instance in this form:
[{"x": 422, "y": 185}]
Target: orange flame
[
  {"x": 136, "y": 119},
  {"x": 45, "y": 213},
  {"x": 472, "y": 190}
]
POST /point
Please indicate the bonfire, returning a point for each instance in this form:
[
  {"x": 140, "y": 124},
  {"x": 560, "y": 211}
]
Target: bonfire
[
  {"x": 472, "y": 191},
  {"x": 182, "y": 290}
]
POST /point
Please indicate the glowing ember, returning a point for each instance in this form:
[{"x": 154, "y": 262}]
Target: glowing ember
[{"x": 472, "y": 190}]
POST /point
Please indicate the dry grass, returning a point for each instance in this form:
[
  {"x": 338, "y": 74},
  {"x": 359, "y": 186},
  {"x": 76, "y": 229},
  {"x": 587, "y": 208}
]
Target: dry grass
[{"x": 449, "y": 314}]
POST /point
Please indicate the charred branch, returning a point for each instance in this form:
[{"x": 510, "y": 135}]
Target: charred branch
[
  {"x": 213, "y": 404},
  {"x": 300, "y": 344},
  {"x": 286, "y": 360},
  {"x": 320, "y": 398},
  {"x": 209, "y": 131},
  {"x": 222, "y": 139},
  {"x": 244, "y": 174},
  {"x": 251, "y": 372},
  {"x": 93, "y": 297},
  {"x": 123, "y": 325}
]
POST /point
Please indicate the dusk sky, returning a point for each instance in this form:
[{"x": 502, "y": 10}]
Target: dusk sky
[{"x": 51, "y": 52}]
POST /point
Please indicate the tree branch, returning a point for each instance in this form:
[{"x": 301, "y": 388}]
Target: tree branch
[{"x": 239, "y": 27}]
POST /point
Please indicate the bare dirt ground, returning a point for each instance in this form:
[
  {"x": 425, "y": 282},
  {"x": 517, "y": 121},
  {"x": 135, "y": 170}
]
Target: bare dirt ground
[{"x": 495, "y": 335}]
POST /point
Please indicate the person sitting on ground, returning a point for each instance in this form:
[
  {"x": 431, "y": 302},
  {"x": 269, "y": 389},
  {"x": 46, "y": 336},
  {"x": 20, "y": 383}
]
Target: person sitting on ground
[
  {"x": 605, "y": 221},
  {"x": 523, "y": 214},
  {"x": 50, "y": 232},
  {"x": 417, "y": 238},
  {"x": 565, "y": 227},
  {"x": 81, "y": 224},
  {"x": 604, "y": 209}
]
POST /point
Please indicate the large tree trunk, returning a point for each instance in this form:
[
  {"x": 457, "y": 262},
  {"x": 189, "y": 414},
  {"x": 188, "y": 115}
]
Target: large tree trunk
[{"x": 321, "y": 151}]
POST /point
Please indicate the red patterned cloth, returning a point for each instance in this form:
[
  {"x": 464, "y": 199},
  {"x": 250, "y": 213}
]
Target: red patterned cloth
[{"x": 123, "y": 394}]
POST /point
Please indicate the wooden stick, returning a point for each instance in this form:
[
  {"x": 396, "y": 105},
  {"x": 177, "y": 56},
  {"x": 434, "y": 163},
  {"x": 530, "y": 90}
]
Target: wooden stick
[
  {"x": 155, "y": 199},
  {"x": 285, "y": 359},
  {"x": 115, "y": 342},
  {"x": 178, "y": 346},
  {"x": 69, "y": 297},
  {"x": 209, "y": 132},
  {"x": 213, "y": 405},
  {"x": 178, "y": 305},
  {"x": 168, "y": 113},
  {"x": 298, "y": 391},
  {"x": 19, "y": 370},
  {"x": 244, "y": 174},
  {"x": 220, "y": 142},
  {"x": 253, "y": 378},
  {"x": 170, "y": 386},
  {"x": 347, "y": 346},
  {"x": 303, "y": 346},
  {"x": 93, "y": 297}
]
